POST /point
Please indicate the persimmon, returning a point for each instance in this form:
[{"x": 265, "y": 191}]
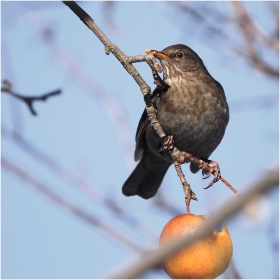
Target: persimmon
[{"x": 206, "y": 258}]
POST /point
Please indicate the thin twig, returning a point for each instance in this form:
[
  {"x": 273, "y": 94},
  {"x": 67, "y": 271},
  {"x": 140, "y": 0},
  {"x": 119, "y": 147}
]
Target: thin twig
[{"x": 229, "y": 186}]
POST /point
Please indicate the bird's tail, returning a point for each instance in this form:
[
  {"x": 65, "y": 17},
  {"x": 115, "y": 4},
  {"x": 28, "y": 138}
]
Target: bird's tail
[{"x": 142, "y": 182}]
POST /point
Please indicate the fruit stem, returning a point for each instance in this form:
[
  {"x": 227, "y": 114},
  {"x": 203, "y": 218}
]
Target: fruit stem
[{"x": 189, "y": 195}]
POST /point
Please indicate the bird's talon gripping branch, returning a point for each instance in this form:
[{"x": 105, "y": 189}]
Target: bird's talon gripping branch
[
  {"x": 212, "y": 167},
  {"x": 206, "y": 175},
  {"x": 215, "y": 180},
  {"x": 167, "y": 143}
]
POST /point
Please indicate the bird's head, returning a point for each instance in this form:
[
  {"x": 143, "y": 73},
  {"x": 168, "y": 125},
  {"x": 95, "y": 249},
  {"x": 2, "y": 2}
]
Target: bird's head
[{"x": 177, "y": 59}]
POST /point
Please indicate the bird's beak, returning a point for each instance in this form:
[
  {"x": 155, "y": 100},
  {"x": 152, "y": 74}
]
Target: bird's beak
[{"x": 159, "y": 54}]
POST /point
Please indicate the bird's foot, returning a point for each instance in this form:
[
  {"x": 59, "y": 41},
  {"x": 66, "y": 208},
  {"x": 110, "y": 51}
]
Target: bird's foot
[
  {"x": 211, "y": 167},
  {"x": 167, "y": 143},
  {"x": 208, "y": 168}
]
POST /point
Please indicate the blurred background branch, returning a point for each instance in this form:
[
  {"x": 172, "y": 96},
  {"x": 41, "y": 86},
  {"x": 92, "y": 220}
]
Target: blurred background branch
[
  {"x": 68, "y": 205},
  {"x": 264, "y": 183},
  {"x": 253, "y": 40},
  {"x": 28, "y": 100}
]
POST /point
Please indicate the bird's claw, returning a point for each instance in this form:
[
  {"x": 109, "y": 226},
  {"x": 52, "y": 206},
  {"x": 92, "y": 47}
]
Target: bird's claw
[
  {"x": 212, "y": 168},
  {"x": 167, "y": 143}
]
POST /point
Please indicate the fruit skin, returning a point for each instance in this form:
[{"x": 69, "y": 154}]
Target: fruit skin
[{"x": 204, "y": 259}]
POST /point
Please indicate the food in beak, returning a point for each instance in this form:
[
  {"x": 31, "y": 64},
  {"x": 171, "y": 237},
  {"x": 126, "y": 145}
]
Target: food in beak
[{"x": 158, "y": 54}]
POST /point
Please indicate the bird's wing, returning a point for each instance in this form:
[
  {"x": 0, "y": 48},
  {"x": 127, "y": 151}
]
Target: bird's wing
[
  {"x": 140, "y": 138},
  {"x": 143, "y": 123}
]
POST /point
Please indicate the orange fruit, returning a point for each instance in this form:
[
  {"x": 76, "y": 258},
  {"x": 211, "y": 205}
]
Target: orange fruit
[{"x": 206, "y": 258}]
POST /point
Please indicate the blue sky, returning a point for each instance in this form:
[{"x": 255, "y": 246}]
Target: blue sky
[{"x": 78, "y": 130}]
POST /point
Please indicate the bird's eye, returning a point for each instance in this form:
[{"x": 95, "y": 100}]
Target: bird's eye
[{"x": 180, "y": 55}]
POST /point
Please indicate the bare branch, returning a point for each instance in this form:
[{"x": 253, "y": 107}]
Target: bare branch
[
  {"x": 263, "y": 184},
  {"x": 7, "y": 88},
  {"x": 109, "y": 46}
]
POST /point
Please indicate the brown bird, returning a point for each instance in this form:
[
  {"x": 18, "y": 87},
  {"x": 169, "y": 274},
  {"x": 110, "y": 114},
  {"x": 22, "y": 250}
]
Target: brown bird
[{"x": 193, "y": 108}]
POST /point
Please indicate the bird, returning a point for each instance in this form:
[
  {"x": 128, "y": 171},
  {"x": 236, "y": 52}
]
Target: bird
[{"x": 192, "y": 108}]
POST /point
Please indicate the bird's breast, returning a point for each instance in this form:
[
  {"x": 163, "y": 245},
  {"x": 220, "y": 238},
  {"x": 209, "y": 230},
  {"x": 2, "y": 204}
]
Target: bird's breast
[{"x": 195, "y": 113}]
